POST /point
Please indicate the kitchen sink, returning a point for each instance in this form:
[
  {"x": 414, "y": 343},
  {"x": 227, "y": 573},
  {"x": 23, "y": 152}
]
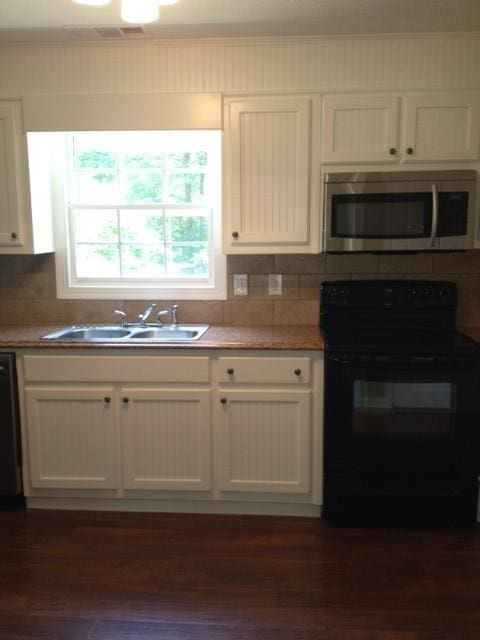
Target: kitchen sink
[
  {"x": 118, "y": 333},
  {"x": 89, "y": 333},
  {"x": 168, "y": 333}
]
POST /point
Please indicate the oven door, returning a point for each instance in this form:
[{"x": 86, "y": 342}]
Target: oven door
[
  {"x": 381, "y": 216},
  {"x": 401, "y": 415}
]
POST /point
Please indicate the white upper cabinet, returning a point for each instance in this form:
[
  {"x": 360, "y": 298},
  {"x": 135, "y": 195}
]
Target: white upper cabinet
[
  {"x": 360, "y": 129},
  {"x": 392, "y": 129},
  {"x": 10, "y": 231},
  {"x": 23, "y": 229},
  {"x": 441, "y": 128},
  {"x": 267, "y": 175}
]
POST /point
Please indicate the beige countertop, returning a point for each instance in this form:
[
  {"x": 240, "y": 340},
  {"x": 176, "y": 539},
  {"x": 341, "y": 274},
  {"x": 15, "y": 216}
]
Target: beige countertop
[{"x": 306, "y": 338}]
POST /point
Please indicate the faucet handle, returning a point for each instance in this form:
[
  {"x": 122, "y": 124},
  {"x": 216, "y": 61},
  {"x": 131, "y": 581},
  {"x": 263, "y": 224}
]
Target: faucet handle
[
  {"x": 162, "y": 312},
  {"x": 142, "y": 317},
  {"x": 122, "y": 315},
  {"x": 173, "y": 311}
]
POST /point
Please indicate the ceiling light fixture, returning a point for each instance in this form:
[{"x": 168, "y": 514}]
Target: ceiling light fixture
[
  {"x": 134, "y": 11},
  {"x": 139, "y": 11}
]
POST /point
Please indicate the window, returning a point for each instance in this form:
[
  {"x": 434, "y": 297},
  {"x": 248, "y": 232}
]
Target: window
[{"x": 138, "y": 214}]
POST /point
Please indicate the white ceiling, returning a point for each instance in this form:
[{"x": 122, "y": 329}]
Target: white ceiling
[{"x": 49, "y": 20}]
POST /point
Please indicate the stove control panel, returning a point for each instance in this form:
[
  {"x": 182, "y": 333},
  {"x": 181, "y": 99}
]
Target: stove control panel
[{"x": 382, "y": 294}]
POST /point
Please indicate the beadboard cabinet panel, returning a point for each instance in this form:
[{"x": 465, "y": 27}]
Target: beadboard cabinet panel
[
  {"x": 267, "y": 174},
  {"x": 9, "y": 221},
  {"x": 72, "y": 437},
  {"x": 264, "y": 441},
  {"x": 24, "y": 228},
  {"x": 166, "y": 439}
]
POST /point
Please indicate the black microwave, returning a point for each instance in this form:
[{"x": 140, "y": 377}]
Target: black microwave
[{"x": 399, "y": 211}]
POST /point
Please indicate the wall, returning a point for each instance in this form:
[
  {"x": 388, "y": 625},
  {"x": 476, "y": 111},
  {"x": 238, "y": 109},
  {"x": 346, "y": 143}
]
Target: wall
[
  {"x": 27, "y": 289},
  {"x": 290, "y": 65}
]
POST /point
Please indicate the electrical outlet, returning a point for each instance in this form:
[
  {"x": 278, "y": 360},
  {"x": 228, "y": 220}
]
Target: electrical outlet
[
  {"x": 275, "y": 284},
  {"x": 240, "y": 284}
]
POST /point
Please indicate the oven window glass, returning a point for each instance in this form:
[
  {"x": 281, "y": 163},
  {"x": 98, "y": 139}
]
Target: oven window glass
[
  {"x": 403, "y": 409},
  {"x": 379, "y": 215}
]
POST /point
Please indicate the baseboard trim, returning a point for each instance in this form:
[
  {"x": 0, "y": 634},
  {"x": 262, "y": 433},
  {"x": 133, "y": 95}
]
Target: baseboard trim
[{"x": 170, "y": 506}]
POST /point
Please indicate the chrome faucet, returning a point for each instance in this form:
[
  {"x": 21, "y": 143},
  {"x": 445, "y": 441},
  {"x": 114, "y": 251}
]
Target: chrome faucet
[
  {"x": 142, "y": 317},
  {"x": 122, "y": 315},
  {"x": 173, "y": 312}
]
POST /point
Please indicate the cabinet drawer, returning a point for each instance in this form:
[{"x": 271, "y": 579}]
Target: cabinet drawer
[
  {"x": 116, "y": 369},
  {"x": 264, "y": 370}
]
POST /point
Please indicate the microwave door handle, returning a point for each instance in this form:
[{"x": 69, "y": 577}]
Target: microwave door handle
[{"x": 433, "y": 235}]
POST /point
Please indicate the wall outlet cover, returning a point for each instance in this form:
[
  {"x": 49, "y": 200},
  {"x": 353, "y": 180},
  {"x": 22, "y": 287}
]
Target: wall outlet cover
[
  {"x": 275, "y": 284},
  {"x": 240, "y": 284}
]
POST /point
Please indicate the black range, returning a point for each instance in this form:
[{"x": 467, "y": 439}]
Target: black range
[{"x": 402, "y": 402}]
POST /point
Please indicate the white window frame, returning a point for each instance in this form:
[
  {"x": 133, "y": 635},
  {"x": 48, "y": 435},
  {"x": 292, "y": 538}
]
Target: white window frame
[{"x": 71, "y": 287}]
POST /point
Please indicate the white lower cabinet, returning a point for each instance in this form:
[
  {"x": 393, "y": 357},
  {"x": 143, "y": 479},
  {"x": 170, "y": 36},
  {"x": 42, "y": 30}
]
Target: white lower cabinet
[
  {"x": 263, "y": 441},
  {"x": 72, "y": 437},
  {"x": 168, "y": 433},
  {"x": 166, "y": 439}
]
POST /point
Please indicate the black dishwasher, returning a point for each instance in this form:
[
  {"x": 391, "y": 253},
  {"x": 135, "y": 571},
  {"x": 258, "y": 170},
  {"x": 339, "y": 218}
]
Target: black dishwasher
[{"x": 11, "y": 494}]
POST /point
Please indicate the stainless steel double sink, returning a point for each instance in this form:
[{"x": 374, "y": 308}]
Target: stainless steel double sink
[{"x": 133, "y": 333}]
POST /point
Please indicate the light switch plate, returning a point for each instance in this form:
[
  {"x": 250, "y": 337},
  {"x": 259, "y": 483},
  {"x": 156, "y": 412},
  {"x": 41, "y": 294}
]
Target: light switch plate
[
  {"x": 274, "y": 284},
  {"x": 240, "y": 284}
]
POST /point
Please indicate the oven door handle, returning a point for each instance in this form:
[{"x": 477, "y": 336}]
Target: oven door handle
[
  {"x": 433, "y": 235},
  {"x": 414, "y": 362}
]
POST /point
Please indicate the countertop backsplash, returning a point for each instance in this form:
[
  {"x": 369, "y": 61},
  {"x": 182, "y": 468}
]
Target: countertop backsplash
[{"x": 28, "y": 290}]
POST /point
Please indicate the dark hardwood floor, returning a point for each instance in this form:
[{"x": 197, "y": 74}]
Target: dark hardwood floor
[{"x": 117, "y": 576}]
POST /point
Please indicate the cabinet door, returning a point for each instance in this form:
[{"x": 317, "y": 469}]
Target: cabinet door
[
  {"x": 72, "y": 437},
  {"x": 264, "y": 441},
  {"x": 166, "y": 439},
  {"x": 360, "y": 129},
  {"x": 267, "y": 165},
  {"x": 441, "y": 128},
  {"x": 10, "y": 233}
]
